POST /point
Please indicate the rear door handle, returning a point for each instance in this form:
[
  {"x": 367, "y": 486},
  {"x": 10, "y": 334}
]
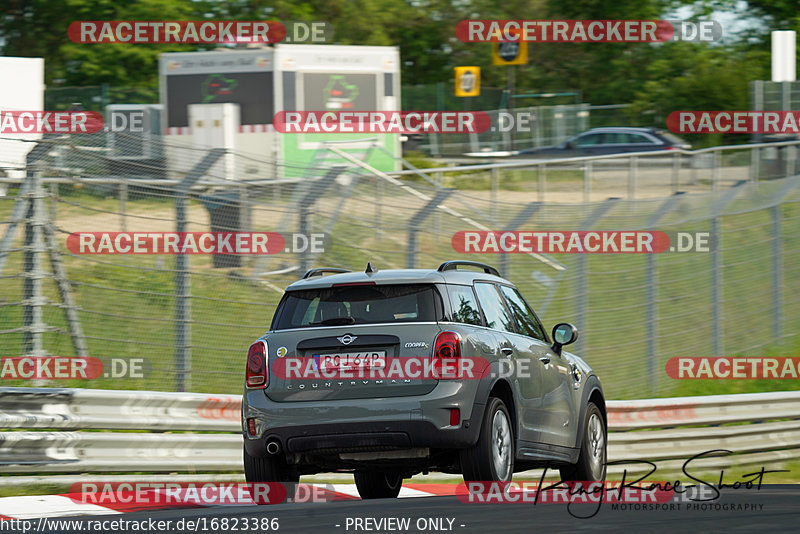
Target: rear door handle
[
  {"x": 508, "y": 351},
  {"x": 545, "y": 359}
]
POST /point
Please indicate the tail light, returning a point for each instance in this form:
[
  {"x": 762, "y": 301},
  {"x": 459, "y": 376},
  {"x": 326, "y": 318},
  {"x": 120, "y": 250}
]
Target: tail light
[
  {"x": 447, "y": 346},
  {"x": 257, "y": 377}
]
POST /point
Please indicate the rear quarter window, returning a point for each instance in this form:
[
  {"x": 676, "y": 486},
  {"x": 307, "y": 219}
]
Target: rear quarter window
[
  {"x": 497, "y": 316},
  {"x": 464, "y": 305}
]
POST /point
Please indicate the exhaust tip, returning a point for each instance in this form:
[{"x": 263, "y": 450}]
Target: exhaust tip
[{"x": 273, "y": 447}]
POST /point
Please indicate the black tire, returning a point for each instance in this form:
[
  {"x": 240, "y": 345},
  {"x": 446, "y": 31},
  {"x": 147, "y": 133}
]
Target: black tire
[
  {"x": 271, "y": 469},
  {"x": 591, "y": 464},
  {"x": 377, "y": 484},
  {"x": 492, "y": 457}
]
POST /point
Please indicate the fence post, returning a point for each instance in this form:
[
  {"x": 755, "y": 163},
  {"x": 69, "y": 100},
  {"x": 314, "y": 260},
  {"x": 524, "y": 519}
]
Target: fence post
[
  {"x": 30, "y": 209},
  {"x": 716, "y": 336},
  {"x": 542, "y": 175},
  {"x": 123, "y": 200},
  {"x": 777, "y": 278},
  {"x": 245, "y": 224},
  {"x": 32, "y": 338},
  {"x": 314, "y": 193},
  {"x": 755, "y": 164},
  {"x": 495, "y": 179},
  {"x": 676, "y": 172},
  {"x": 538, "y": 136},
  {"x": 183, "y": 333},
  {"x": 587, "y": 182},
  {"x": 416, "y": 221},
  {"x": 632, "y": 170},
  {"x": 378, "y": 209},
  {"x": 715, "y": 171},
  {"x": 53, "y": 197},
  {"x": 652, "y": 295},
  {"x": 518, "y": 221},
  {"x": 716, "y": 265},
  {"x": 183, "y": 324}
]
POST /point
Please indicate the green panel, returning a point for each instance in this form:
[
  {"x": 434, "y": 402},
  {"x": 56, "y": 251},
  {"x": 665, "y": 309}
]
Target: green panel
[{"x": 297, "y": 161}]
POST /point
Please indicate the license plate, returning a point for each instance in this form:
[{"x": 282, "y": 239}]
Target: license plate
[{"x": 351, "y": 360}]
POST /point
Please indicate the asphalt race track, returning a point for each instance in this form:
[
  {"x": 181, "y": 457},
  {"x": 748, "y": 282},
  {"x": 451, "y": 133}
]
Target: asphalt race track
[{"x": 774, "y": 508}]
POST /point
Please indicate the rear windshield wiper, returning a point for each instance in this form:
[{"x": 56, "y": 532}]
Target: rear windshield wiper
[{"x": 335, "y": 321}]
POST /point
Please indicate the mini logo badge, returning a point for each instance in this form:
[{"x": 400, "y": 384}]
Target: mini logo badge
[
  {"x": 282, "y": 352},
  {"x": 346, "y": 339}
]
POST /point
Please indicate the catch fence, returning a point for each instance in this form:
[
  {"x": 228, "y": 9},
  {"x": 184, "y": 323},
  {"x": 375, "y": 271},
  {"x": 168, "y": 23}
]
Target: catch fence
[{"x": 192, "y": 317}]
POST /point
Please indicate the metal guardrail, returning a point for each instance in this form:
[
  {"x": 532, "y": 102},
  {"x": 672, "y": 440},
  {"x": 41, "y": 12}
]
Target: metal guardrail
[
  {"x": 498, "y": 163},
  {"x": 703, "y": 411},
  {"x": 665, "y": 167},
  {"x": 533, "y": 161},
  {"x": 764, "y": 429},
  {"x": 92, "y": 409},
  {"x": 101, "y": 452},
  {"x": 672, "y": 431}
]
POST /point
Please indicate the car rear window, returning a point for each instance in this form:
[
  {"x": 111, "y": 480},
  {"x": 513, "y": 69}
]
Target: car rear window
[{"x": 358, "y": 304}]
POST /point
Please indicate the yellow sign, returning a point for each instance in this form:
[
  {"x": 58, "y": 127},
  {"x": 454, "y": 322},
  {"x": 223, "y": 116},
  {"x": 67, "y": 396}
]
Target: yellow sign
[
  {"x": 510, "y": 52},
  {"x": 468, "y": 81}
]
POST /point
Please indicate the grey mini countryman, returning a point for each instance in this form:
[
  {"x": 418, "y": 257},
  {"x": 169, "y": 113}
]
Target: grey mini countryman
[{"x": 366, "y": 372}]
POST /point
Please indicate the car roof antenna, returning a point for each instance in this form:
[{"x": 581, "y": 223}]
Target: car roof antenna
[{"x": 370, "y": 269}]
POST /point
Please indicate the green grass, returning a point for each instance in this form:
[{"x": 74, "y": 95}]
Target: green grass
[
  {"x": 727, "y": 387},
  {"x": 18, "y": 490}
]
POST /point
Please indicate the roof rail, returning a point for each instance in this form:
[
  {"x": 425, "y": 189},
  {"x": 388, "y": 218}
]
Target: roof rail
[
  {"x": 321, "y": 270},
  {"x": 454, "y": 264}
]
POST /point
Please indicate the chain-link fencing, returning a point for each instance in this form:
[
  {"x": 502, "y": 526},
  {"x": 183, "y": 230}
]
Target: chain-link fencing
[{"x": 191, "y": 317}]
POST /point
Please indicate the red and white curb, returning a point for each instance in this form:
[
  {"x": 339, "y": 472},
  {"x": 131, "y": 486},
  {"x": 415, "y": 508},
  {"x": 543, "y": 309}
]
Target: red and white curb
[{"x": 36, "y": 506}]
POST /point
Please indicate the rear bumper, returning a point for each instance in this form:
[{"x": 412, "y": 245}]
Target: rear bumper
[{"x": 389, "y": 423}]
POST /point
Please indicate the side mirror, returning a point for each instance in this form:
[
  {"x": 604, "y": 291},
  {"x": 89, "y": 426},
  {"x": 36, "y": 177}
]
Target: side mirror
[
  {"x": 563, "y": 334},
  {"x": 569, "y": 145}
]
